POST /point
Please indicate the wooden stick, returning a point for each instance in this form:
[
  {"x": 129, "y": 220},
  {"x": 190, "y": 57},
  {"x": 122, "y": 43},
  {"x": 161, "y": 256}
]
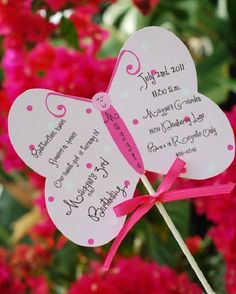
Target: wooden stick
[{"x": 178, "y": 238}]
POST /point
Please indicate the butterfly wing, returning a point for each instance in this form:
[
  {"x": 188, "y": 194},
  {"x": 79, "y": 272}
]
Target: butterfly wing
[
  {"x": 154, "y": 88},
  {"x": 66, "y": 141},
  {"x": 194, "y": 128}
]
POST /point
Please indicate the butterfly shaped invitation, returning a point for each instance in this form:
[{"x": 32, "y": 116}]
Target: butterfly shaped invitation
[{"x": 93, "y": 152}]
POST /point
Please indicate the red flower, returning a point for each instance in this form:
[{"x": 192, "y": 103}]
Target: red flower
[
  {"x": 17, "y": 272},
  {"x": 48, "y": 67},
  {"x": 90, "y": 35},
  {"x": 9, "y": 283},
  {"x": 134, "y": 276},
  {"x": 19, "y": 24},
  {"x": 194, "y": 244},
  {"x": 146, "y": 6},
  {"x": 38, "y": 285},
  {"x": 56, "y": 5},
  {"x": 27, "y": 260}
]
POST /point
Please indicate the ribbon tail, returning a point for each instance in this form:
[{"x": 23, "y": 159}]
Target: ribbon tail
[
  {"x": 197, "y": 192},
  {"x": 173, "y": 173},
  {"x": 130, "y": 205},
  {"x": 134, "y": 218}
]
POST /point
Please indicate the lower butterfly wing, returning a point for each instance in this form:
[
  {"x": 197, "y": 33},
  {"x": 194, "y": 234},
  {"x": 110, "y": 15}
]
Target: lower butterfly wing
[{"x": 66, "y": 141}]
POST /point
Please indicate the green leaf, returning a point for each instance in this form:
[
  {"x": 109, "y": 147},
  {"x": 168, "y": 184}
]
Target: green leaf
[
  {"x": 213, "y": 75},
  {"x": 158, "y": 242},
  {"x": 216, "y": 273},
  {"x": 179, "y": 211},
  {"x": 69, "y": 33},
  {"x": 10, "y": 211},
  {"x": 115, "y": 13},
  {"x": 214, "y": 61},
  {"x": 63, "y": 267},
  {"x": 113, "y": 45}
]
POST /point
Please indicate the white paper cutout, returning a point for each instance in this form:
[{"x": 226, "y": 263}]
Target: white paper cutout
[{"x": 66, "y": 140}]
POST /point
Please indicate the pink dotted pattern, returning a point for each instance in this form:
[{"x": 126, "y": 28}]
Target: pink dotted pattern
[
  {"x": 127, "y": 183},
  {"x": 230, "y": 147},
  {"x": 89, "y": 165},
  {"x": 90, "y": 241},
  {"x": 88, "y": 110},
  {"x": 184, "y": 170},
  {"x": 31, "y": 147},
  {"x": 29, "y": 107},
  {"x": 51, "y": 199},
  {"x": 186, "y": 118},
  {"x": 135, "y": 121}
]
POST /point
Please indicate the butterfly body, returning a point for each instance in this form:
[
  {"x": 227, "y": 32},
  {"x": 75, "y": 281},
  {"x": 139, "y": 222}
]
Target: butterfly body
[{"x": 119, "y": 131}]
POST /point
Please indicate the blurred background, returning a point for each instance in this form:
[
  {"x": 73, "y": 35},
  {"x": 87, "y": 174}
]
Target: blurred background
[{"x": 71, "y": 47}]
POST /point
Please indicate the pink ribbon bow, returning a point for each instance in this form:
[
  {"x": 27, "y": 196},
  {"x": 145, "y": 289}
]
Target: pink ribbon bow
[{"x": 142, "y": 204}]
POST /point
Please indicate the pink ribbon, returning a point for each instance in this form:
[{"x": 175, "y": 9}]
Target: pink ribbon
[{"x": 142, "y": 204}]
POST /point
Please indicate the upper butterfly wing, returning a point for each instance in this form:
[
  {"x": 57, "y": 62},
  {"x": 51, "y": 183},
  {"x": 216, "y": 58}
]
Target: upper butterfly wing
[
  {"x": 154, "y": 88},
  {"x": 66, "y": 141}
]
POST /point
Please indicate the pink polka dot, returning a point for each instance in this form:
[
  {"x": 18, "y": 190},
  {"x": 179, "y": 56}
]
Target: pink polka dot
[
  {"x": 29, "y": 107},
  {"x": 135, "y": 121},
  {"x": 186, "y": 118},
  {"x": 184, "y": 170},
  {"x": 153, "y": 71},
  {"x": 31, "y": 147},
  {"x": 88, "y": 110},
  {"x": 89, "y": 165},
  {"x": 51, "y": 199},
  {"x": 90, "y": 241},
  {"x": 127, "y": 183},
  {"x": 230, "y": 147}
]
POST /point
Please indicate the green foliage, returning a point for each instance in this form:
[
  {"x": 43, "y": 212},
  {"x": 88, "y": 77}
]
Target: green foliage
[
  {"x": 63, "y": 267},
  {"x": 68, "y": 33},
  {"x": 161, "y": 244},
  {"x": 10, "y": 211}
]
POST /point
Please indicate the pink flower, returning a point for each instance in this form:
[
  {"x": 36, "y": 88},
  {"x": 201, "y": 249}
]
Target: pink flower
[
  {"x": 19, "y": 24},
  {"x": 9, "y": 283},
  {"x": 48, "y": 67},
  {"x": 56, "y": 5},
  {"x": 61, "y": 242},
  {"x": 134, "y": 275},
  {"x": 11, "y": 159},
  {"x": 19, "y": 271},
  {"x": 38, "y": 285},
  {"x": 89, "y": 284},
  {"x": 29, "y": 261},
  {"x": 90, "y": 35},
  {"x": 36, "y": 180},
  {"x": 45, "y": 228}
]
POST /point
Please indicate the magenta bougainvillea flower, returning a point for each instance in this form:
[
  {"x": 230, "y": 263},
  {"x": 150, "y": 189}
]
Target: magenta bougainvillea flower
[{"x": 134, "y": 275}]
